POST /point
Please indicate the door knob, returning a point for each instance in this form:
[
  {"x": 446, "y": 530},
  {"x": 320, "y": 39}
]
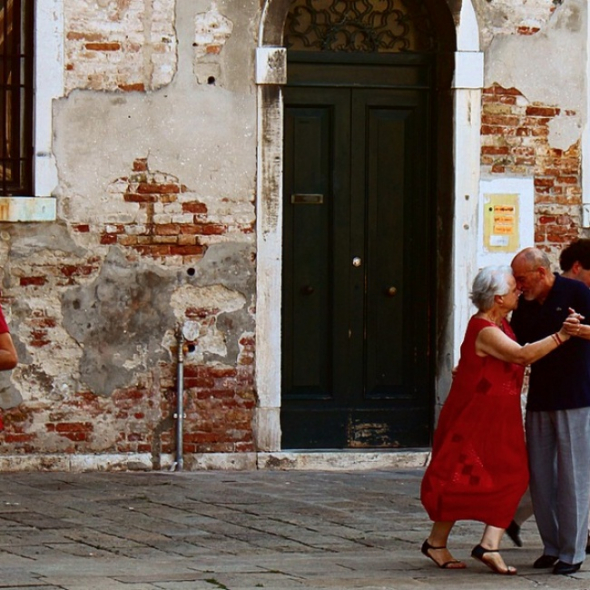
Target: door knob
[
  {"x": 391, "y": 292},
  {"x": 356, "y": 261}
]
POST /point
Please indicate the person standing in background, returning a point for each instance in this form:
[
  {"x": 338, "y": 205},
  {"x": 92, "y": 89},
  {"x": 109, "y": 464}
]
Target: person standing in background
[{"x": 574, "y": 261}]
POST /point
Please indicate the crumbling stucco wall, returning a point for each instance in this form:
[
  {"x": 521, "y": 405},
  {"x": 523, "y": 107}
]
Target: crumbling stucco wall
[
  {"x": 534, "y": 105},
  {"x": 155, "y": 147}
]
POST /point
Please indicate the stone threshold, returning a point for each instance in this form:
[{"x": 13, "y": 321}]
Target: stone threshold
[
  {"x": 316, "y": 460},
  {"x": 344, "y": 460}
]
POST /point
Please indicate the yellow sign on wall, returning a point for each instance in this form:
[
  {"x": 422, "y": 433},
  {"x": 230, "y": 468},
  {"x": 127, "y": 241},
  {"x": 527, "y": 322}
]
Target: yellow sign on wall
[{"x": 500, "y": 223}]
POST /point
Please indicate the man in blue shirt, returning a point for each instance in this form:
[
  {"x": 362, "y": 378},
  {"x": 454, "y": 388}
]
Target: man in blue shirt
[{"x": 558, "y": 410}]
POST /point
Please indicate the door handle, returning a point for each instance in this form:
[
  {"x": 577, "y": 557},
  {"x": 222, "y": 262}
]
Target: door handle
[
  {"x": 356, "y": 261},
  {"x": 391, "y": 292}
]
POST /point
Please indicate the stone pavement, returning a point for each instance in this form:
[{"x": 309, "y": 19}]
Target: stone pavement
[{"x": 243, "y": 530}]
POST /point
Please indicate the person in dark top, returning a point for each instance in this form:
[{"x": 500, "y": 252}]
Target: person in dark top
[
  {"x": 574, "y": 261},
  {"x": 558, "y": 409}
]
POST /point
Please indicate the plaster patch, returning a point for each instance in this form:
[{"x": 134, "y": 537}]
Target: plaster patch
[
  {"x": 506, "y": 17},
  {"x": 126, "y": 308},
  {"x": 55, "y": 238},
  {"x": 214, "y": 297},
  {"x": 9, "y": 395},
  {"x": 564, "y": 131},
  {"x": 548, "y": 67},
  {"x": 227, "y": 264}
]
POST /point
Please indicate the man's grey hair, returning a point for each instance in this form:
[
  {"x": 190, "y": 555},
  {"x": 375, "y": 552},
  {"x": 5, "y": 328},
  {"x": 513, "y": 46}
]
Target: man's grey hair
[{"x": 489, "y": 282}]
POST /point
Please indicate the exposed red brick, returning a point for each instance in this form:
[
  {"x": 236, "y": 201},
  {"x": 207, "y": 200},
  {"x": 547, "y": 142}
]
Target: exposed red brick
[
  {"x": 74, "y": 427},
  {"x": 140, "y": 198},
  {"x": 167, "y": 229},
  {"x": 491, "y": 130},
  {"x": 44, "y": 322},
  {"x": 219, "y": 372},
  {"x": 544, "y": 182},
  {"x": 544, "y": 219},
  {"x": 495, "y": 150},
  {"x": 18, "y": 438},
  {"x": 75, "y": 436},
  {"x": 500, "y": 120},
  {"x": 537, "y": 111},
  {"x": 212, "y": 229},
  {"x": 198, "y": 208},
  {"x": 527, "y": 30},
  {"x": 36, "y": 281},
  {"x": 138, "y": 87},
  {"x": 186, "y": 250},
  {"x": 155, "y": 250},
  {"x": 140, "y": 165},
  {"x": 567, "y": 179},
  {"x": 103, "y": 46},
  {"x": 151, "y": 188},
  {"x": 108, "y": 239}
]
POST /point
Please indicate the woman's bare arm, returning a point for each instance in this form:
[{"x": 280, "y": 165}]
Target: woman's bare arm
[{"x": 8, "y": 356}]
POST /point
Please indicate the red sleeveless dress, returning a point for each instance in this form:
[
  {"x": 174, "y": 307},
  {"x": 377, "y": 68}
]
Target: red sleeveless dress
[{"x": 479, "y": 468}]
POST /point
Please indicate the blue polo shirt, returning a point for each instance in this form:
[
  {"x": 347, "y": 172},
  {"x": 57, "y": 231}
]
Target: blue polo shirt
[{"x": 560, "y": 380}]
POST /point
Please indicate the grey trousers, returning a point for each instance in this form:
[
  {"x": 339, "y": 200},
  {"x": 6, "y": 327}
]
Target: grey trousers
[{"x": 559, "y": 459}]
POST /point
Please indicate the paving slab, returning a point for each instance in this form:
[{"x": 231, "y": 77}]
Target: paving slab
[{"x": 212, "y": 530}]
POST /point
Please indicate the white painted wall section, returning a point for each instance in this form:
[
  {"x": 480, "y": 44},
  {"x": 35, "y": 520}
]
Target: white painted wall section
[{"x": 49, "y": 85}]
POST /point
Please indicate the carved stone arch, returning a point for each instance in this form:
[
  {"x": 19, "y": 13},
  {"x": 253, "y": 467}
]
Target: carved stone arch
[{"x": 274, "y": 14}]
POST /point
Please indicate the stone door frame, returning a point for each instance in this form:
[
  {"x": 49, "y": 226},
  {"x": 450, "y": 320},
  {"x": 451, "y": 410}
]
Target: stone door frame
[{"x": 271, "y": 75}]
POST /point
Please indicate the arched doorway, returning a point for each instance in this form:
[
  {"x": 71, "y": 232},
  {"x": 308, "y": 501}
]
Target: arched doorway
[{"x": 367, "y": 187}]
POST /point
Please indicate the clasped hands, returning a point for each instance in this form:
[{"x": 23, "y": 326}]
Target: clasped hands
[{"x": 573, "y": 323}]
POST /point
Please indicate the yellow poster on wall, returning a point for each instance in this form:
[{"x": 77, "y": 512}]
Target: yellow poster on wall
[{"x": 500, "y": 223}]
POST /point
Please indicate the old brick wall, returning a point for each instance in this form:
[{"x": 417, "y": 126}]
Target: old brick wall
[
  {"x": 534, "y": 107},
  {"x": 125, "y": 45},
  {"x": 515, "y": 142},
  {"x": 109, "y": 324},
  {"x": 155, "y": 233}
]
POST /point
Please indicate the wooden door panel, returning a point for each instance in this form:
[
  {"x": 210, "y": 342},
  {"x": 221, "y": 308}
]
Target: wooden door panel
[
  {"x": 312, "y": 303},
  {"x": 396, "y": 238}
]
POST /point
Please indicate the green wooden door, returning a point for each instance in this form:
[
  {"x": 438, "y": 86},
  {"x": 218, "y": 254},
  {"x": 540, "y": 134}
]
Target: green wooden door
[{"x": 357, "y": 269}]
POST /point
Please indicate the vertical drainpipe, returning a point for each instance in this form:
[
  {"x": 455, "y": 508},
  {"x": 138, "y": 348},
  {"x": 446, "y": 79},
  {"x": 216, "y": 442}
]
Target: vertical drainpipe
[{"x": 179, "y": 415}]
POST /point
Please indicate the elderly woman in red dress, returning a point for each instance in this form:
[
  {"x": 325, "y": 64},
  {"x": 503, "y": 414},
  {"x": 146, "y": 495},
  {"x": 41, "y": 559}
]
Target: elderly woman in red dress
[{"x": 479, "y": 469}]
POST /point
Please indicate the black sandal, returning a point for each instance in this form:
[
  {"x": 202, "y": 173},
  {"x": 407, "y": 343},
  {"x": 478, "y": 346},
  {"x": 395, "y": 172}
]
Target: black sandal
[
  {"x": 479, "y": 553},
  {"x": 426, "y": 547}
]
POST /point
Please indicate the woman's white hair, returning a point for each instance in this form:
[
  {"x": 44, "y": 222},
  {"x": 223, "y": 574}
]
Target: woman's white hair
[{"x": 489, "y": 282}]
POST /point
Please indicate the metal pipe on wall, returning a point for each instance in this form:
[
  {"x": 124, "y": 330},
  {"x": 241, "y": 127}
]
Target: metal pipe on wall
[{"x": 179, "y": 415}]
